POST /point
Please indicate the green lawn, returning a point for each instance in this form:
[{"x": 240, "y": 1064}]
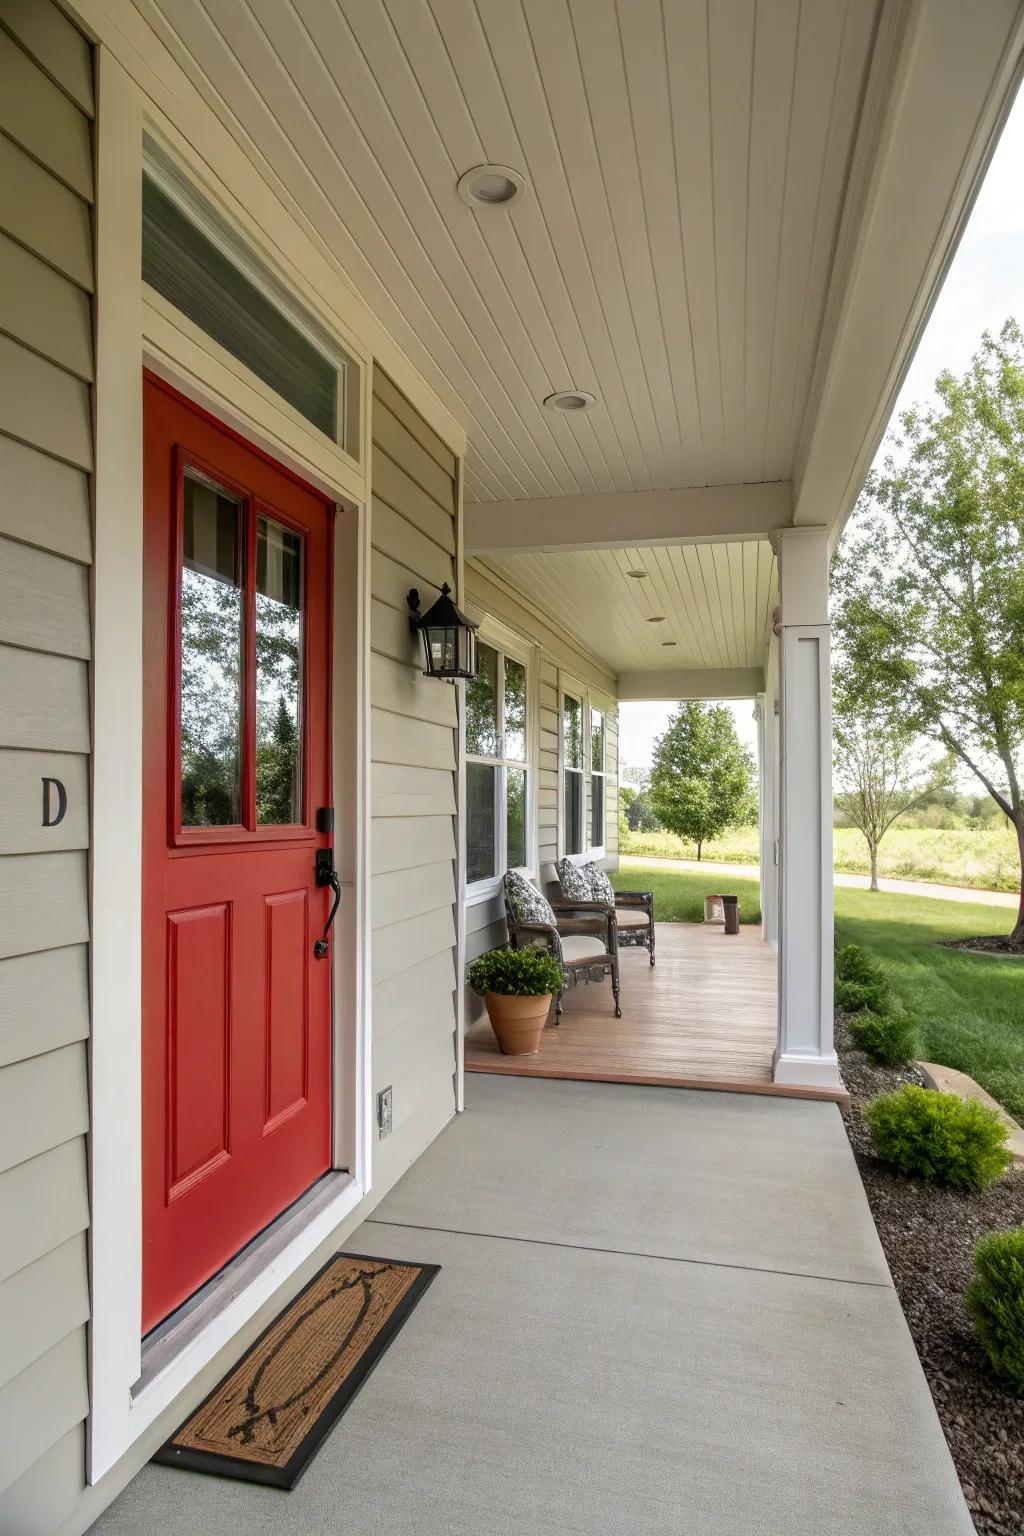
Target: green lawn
[
  {"x": 982, "y": 858},
  {"x": 679, "y": 897},
  {"x": 970, "y": 1008}
]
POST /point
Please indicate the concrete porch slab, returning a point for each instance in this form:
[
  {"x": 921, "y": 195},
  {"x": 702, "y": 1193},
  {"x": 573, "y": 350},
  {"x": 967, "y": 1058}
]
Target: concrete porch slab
[
  {"x": 716, "y": 1177},
  {"x": 547, "y": 1384}
]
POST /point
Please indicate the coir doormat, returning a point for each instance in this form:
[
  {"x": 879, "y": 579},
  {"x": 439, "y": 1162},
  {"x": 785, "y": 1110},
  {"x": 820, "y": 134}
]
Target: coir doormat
[{"x": 269, "y": 1416}]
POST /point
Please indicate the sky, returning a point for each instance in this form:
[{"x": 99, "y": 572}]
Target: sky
[{"x": 984, "y": 286}]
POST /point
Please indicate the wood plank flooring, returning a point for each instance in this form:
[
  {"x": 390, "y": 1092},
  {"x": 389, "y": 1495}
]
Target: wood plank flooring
[{"x": 705, "y": 1016}]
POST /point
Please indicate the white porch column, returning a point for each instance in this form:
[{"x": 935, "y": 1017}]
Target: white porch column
[
  {"x": 806, "y": 1052},
  {"x": 766, "y": 751}
]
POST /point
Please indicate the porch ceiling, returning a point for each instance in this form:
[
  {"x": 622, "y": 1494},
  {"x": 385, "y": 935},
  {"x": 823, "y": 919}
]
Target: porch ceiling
[
  {"x": 716, "y": 601},
  {"x": 737, "y": 218},
  {"x": 687, "y": 166}
]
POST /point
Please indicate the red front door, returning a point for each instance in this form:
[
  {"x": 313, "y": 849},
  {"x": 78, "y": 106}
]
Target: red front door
[{"x": 236, "y": 1005}]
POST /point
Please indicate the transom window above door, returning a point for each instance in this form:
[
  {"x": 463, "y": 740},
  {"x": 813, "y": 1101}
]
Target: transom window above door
[
  {"x": 497, "y": 771},
  {"x": 240, "y": 738}
]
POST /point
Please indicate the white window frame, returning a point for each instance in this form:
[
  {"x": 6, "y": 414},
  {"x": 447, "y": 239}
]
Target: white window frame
[
  {"x": 596, "y": 707},
  {"x": 507, "y": 643},
  {"x": 569, "y": 688}
]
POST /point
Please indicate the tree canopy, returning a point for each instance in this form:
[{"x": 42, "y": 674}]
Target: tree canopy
[
  {"x": 928, "y": 584},
  {"x": 702, "y": 780}
]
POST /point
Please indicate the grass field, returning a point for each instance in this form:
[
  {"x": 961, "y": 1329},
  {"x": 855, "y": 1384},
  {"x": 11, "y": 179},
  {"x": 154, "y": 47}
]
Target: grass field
[
  {"x": 985, "y": 860},
  {"x": 969, "y": 1007}
]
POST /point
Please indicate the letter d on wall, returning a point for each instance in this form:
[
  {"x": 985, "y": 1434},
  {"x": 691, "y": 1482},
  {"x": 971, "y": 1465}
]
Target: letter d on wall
[{"x": 55, "y": 802}]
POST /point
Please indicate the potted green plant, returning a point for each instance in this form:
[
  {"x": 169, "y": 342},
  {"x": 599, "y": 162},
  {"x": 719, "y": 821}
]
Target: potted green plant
[{"x": 517, "y": 985}]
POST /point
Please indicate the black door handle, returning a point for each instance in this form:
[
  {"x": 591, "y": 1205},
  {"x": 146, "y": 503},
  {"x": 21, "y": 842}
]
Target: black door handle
[{"x": 326, "y": 874}]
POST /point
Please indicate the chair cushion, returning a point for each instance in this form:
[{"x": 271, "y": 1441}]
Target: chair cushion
[
  {"x": 574, "y": 880},
  {"x": 630, "y": 917},
  {"x": 579, "y": 946},
  {"x": 600, "y": 885},
  {"x": 528, "y": 904}
]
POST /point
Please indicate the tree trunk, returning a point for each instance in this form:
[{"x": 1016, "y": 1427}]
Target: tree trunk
[
  {"x": 874, "y": 865},
  {"x": 1017, "y": 936},
  {"x": 700, "y": 845}
]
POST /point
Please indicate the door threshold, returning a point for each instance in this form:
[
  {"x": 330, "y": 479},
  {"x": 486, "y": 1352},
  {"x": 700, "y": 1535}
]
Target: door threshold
[{"x": 178, "y": 1349}]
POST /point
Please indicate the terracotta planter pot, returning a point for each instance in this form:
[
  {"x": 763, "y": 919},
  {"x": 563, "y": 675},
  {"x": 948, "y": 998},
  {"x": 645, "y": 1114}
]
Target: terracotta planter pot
[{"x": 517, "y": 1021}]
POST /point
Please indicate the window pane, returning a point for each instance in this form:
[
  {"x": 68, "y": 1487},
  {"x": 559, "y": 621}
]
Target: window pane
[
  {"x": 573, "y": 812},
  {"x": 480, "y": 786},
  {"x": 515, "y": 800},
  {"x": 597, "y": 741},
  {"x": 206, "y": 285},
  {"x": 515, "y": 710},
  {"x": 597, "y": 810},
  {"x": 211, "y": 657},
  {"x": 482, "y": 705},
  {"x": 572, "y": 732},
  {"x": 279, "y": 647}
]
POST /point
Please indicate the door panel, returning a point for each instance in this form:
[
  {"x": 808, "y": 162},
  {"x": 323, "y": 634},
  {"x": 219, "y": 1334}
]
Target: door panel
[{"x": 236, "y": 1007}]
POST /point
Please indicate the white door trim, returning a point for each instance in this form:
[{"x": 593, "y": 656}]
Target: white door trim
[{"x": 118, "y": 1413}]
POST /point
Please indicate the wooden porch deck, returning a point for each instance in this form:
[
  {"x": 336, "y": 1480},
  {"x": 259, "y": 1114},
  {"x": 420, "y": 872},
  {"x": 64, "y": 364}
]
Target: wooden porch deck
[{"x": 704, "y": 1017}]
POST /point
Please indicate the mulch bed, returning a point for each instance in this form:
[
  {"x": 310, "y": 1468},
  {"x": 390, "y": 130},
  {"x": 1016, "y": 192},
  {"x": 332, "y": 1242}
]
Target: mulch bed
[
  {"x": 929, "y": 1235},
  {"x": 985, "y": 944}
]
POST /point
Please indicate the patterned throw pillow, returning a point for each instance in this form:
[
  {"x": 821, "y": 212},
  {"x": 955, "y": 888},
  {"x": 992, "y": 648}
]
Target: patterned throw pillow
[
  {"x": 600, "y": 886},
  {"x": 528, "y": 904},
  {"x": 574, "y": 880}
]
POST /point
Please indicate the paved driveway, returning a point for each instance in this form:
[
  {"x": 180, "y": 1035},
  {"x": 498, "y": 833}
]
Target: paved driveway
[{"x": 658, "y": 1311}]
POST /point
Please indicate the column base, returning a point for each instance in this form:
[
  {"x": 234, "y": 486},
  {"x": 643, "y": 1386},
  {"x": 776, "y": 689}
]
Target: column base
[{"x": 807, "y": 1071}]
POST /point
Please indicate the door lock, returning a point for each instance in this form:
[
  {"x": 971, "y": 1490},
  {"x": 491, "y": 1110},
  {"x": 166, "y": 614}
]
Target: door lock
[{"x": 327, "y": 875}]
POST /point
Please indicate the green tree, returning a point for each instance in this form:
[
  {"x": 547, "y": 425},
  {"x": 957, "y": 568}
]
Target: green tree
[
  {"x": 928, "y": 586},
  {"x": 880, "y": 774},
  {"x": 702, "y": 780},
  {"x": 639, "y": 813}
]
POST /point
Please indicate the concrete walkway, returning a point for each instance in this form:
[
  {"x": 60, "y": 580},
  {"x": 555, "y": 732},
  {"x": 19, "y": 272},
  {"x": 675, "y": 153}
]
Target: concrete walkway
[
  {"x": 658, "y": 1311},
  {"x": 841, "y": 877}
]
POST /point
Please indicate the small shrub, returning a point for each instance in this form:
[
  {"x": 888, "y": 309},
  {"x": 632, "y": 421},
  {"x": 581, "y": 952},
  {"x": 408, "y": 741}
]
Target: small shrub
[
  {"x": 860, "y": 982},
  {"x": 995, "y": 1300},
  {"x": 938, "y": 1137},
  {"x": 890, "y": 1038},
  {"x": 855, "y": 964},
  {"x": 516, "y": 973},
  {"x": 853, "y": 996}
]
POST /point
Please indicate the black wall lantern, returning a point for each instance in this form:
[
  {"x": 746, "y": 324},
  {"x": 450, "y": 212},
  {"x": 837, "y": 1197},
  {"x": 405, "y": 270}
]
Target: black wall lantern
[{"x": 449, "y": 639}]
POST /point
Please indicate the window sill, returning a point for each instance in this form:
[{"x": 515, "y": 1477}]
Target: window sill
[{"x": 486, "y": 890}]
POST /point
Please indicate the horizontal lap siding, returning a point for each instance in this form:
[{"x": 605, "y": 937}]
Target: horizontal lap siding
[
  {"x": 413, "y": 784},
  {"x": 46, "y": 369}
]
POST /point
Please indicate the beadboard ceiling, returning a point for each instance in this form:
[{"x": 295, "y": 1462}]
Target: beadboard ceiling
[
  {"x": 686, "y": 163},
  {"x": 716, "y": 600}
]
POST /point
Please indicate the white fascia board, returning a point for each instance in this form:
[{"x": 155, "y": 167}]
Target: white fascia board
[
  {"x": 942, "y": 82},
  {"x": 696, "y": 683},
  {"x": 629, "y": 519}
]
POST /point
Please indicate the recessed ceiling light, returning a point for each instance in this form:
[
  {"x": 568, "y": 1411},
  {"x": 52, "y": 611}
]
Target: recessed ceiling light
[
  {"x": 659, "y": 618},
  {"x": 570, "y": 400},
  {"x": 638, "y": 575},
  {"x": 491, "y": 186}
]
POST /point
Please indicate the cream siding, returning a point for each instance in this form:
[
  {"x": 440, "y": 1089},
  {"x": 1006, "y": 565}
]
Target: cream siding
[
  {"x": 413, "y": 783},
  {"x": 46, "y": 362}
]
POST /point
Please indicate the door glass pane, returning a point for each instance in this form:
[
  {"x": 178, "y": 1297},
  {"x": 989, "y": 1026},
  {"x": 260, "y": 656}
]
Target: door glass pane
[
  {"x": 482, "y": 705},
  {"x": 515, "y": 804},
  {"x": 574, "y": 812},
  {"x": 211, "y": 656},
  {"x": 515, "y": 710},
  {"x": 279, "y": 642},
  {"x": 572, "y": 731},
  {"x": 480, "y": 798}
]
